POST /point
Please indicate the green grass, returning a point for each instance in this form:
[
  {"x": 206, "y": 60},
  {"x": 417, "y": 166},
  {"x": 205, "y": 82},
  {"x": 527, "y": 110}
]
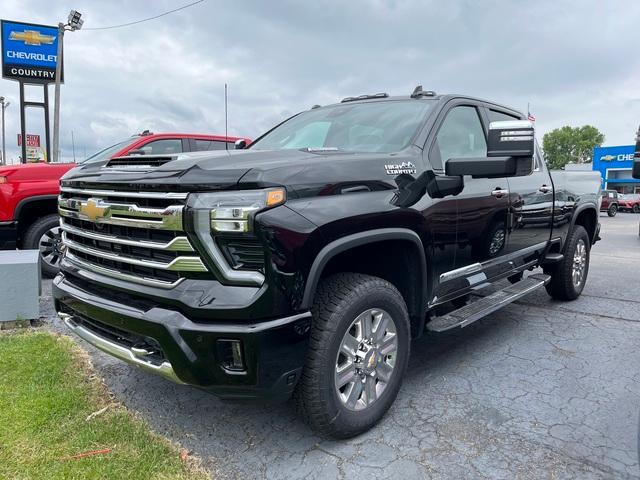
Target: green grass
[{"x": 47, "y": 390}]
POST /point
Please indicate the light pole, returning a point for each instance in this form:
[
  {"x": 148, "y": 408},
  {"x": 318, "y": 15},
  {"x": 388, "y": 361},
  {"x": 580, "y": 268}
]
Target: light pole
[
  {"x": 3, "y": 105},
  {"x": 74, "y": 23}
]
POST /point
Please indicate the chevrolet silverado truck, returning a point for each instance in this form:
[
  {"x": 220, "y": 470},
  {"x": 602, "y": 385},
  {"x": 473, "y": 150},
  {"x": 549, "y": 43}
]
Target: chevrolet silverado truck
[
  {"x": 29, "y": 192},
  {"x": 304, "y": 265}
]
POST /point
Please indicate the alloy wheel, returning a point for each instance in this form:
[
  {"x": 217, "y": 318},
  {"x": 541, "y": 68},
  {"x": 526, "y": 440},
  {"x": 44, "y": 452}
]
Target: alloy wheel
[
  {"x": 579, "y": 263},
  {"x": 51, "y": 247},
  {"x": 497, "y": 242},
  {"x": 366, "y": 359}
]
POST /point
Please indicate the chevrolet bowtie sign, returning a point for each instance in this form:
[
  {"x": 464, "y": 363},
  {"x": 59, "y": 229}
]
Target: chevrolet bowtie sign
[{"x": 29, "y": 52}]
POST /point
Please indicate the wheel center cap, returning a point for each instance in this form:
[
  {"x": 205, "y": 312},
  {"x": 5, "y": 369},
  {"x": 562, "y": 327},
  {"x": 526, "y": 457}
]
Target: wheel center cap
[{"x": 371, "y": 360}]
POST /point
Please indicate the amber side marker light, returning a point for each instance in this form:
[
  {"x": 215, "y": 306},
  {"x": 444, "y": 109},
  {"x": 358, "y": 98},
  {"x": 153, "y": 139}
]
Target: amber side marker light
[{"x": 275, "y": 197}]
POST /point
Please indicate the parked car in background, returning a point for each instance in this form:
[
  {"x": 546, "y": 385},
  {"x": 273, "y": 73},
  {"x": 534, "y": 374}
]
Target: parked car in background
[
  {"x": 610, "y": 202},
  {"x": 29, "y": 192},
  {"x": 629, "y": 202}
]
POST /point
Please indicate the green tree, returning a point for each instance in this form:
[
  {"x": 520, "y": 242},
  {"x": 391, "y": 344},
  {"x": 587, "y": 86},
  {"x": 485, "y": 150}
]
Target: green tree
[{"x": 569, "y": 144}]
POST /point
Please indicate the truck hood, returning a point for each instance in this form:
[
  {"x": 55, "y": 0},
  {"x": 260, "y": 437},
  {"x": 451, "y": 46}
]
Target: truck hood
[
  {"x": 41, "y": 170},
  {"x": 302, "y": 172}
]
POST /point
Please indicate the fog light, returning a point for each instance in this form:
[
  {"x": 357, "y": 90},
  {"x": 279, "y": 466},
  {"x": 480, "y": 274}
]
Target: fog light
[{"x": 230, "y": 355}]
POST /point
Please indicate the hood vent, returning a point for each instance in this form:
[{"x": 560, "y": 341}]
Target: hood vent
[{"x": 139, "y": 161}]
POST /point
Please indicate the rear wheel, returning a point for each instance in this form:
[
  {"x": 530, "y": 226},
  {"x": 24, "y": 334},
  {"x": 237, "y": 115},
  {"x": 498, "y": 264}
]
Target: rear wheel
[
  {"x": 357, "y": 355},
  {"x": 636, "y": 208},
  {"x": 44, "y": 235},
  {"x": 613, "y": 209},
  {"x": 569, "y": 276}
]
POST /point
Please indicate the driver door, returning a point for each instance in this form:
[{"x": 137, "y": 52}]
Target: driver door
[{"x": 481, "y": 209}]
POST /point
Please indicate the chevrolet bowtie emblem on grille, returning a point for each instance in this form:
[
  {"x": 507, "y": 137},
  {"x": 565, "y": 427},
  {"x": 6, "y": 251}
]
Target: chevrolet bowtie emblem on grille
[
  {"x": 32, "y": 37},
  {"x": 92, "y": 210}
]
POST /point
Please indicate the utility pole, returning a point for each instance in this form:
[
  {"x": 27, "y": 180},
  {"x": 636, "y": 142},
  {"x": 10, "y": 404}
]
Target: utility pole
[
  {"x": 73, "y": 147},
  {"x": 73, "y": 23},
  {"x": 3, "y": 105}
]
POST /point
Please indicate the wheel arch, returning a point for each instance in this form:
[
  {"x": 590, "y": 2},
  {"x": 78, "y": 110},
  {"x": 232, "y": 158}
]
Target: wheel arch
[
  {"x": 343, "y": 254},
  {"x": 587, "y": 217},
  {"x": 30, "y": 209}
]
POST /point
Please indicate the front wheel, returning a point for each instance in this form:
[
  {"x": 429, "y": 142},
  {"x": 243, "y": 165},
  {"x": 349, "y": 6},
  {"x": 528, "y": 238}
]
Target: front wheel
[
  {"x": 636, "y": 208},
  {"x": 357, "y": 355},
  {"x": 613, "y": 209},
  {"x": 569, "y": 276},
  {"x": 44, "y": 235}
]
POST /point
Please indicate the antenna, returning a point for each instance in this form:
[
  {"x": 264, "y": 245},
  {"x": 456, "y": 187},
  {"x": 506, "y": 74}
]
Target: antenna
[{"x": 226, "y": 132}]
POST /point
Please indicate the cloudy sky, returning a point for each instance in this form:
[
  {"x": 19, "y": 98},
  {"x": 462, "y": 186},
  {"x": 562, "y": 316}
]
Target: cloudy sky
[{"x": 575, "y": 62}]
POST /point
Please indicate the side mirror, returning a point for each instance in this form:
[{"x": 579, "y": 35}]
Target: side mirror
[
  {"x": 137, "y": 151},
  {"x": 511, "y": 139},
  {"x": 510, "y": 151},
  {"x": 482, "y": 167},
  {"x": 635, "y": 173},
  {"x": 240, "y": 144}
]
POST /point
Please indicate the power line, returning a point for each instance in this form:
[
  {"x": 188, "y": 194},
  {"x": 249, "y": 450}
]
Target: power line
[{"x": 146, "y": 19}]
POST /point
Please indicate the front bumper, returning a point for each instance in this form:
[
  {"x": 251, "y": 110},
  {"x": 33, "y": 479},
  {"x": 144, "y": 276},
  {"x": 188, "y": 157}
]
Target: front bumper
[
  {"x": 8, "y": 235},
  {"x": 167, "y": 343}
]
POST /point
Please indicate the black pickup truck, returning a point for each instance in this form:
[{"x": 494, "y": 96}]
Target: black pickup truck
[{"x": 304, "y": 264}]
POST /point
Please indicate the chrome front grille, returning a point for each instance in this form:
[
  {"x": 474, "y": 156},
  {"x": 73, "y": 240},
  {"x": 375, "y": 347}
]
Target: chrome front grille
[{"x": 132, "y": 236}]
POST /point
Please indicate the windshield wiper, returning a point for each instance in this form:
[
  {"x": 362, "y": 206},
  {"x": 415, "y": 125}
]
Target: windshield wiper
[{"x": 320, "y": 149}]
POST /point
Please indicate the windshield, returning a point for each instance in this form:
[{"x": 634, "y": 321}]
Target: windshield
[
  {"x": 108, "y": 152},
  {"x": 383, "y": 127}
]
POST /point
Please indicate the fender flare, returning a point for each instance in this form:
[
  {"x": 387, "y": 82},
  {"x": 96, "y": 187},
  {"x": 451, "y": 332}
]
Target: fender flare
[
  {"x": 576, "y": 214},
  {"x": 25, "y": 201},
  {"x": 356, "y": 240}
]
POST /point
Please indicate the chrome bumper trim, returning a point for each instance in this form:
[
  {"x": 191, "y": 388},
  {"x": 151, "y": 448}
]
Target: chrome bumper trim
[{"x": 125, "y": 354}]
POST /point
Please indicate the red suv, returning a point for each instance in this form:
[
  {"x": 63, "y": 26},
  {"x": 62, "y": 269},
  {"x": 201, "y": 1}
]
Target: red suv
[
  {"x": 29, "y": 193},
  {"x": 629, "y": 202}
]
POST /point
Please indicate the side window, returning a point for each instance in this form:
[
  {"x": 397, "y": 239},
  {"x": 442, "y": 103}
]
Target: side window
[
  {"x": 163, "y": 147},
  {"x": 495, "y": 116},
  {"x": 460, "y": 135},
  {"x": 205, "y": 145}
]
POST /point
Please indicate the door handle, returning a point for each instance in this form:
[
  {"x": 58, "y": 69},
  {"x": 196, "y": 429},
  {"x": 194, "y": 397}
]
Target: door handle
[
  {"x": 500, "y": 192},
  {"x": 544, "y": 189}
]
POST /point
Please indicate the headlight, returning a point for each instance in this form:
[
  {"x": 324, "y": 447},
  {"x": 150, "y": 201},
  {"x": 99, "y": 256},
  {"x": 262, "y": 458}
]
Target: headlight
[
  {"x": 232, "y": 212},
  {"x": 219, "y": 213}
]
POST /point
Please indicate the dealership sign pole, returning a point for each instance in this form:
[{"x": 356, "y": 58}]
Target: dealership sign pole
[{"x": 73, "y": 23}]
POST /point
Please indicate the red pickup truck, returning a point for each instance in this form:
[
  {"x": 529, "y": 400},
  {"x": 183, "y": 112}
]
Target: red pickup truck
[{"x": 29, "y": 193}]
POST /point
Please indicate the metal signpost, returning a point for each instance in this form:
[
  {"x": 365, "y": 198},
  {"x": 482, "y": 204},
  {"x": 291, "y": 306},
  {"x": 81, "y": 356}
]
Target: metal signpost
[{"x": 29, "y": 56}]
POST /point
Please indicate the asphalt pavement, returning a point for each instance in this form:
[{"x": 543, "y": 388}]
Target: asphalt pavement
[{"x": 540, "y": 389}]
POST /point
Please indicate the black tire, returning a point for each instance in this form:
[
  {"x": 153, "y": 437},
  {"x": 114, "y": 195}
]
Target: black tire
[
  {"x": 613, "y": 209},
  {"x": 339, "y": 301},
  {"x": 49, "y": 260},
  {"x": 562, "y": 286},
  {"x": 636, "y": 208}
]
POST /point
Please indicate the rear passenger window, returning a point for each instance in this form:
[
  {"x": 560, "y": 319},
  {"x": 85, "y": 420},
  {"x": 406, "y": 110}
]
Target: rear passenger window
[
  {"x": 461, "y": 135},
  {"x": 203, "y": 145}
]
